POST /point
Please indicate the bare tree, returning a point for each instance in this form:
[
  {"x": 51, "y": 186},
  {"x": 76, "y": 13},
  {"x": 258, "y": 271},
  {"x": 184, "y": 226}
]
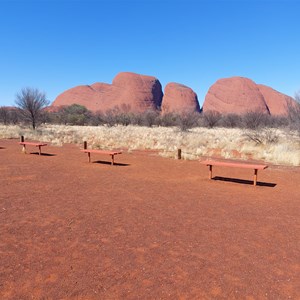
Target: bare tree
[
  {"x": 211, "y": 118},
  {"x": 31, "y": 102},
  {"x": 294, "y": 113},
  {"x": 4, "y": 115}
]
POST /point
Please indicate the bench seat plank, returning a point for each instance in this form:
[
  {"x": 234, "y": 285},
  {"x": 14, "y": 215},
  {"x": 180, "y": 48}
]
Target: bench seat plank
[
  {"x": 33, "y": 144},
  {"x": 255, "y": 167},
  {"x": 101, "y": 151},
  {"x": 112, "y": 153},
  {"x": 39, "y": 145},
  {"x": 234, "y": 164}
]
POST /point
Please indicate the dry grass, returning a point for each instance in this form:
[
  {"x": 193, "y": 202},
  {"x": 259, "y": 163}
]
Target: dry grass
[{"x": 197, "y": 142}]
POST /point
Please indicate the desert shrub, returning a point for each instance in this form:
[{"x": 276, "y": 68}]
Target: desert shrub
[
  {"x": 116, "y": 116},
  {"x": 231, "y": 121},
  {"x": 74, "y": 114},
  {"x": 124, "y": 118},
  {"x": 277, "y": 121},
  {"x": 45, "y": 117},
  {"x": 210, "y": 118},
  {"x": 4, "y": 115},
  {"x": 264, "y": 136},
  {"x": 97, "y": 118},
  {"x": 255, "y": 119},
  {"x": 9, "y": 115},
  {"x": 294, "y": 114},
  {"x": 14, "y": 116},
  {"x": 149, "y": 118},
  {"x": 188, "y": 120},
  {"x": 168, "y": 120}
]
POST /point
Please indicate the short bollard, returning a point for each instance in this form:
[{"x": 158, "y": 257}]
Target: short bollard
[{"x": 179, "y": 154}]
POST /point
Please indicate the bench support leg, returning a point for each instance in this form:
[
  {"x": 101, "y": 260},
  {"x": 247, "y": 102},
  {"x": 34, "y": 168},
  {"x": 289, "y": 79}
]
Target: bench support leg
[
  {"x": 89, "y": 157},
  {"x": 255, "y": 177},
  {"x": 210, "y": 172},
  {"x": 40, "y": 152},
  {"x": 112, "y": 160},
  {"x": 24, "y": 149}
]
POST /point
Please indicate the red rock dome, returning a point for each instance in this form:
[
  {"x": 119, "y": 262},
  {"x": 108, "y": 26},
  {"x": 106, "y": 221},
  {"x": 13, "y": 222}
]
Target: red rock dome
[
  {"x": 136, "y": 92},
  {"x": 277, "y": 102},
  {"x": 179, "y": 98},
  {"x": 235, "y": 95}
]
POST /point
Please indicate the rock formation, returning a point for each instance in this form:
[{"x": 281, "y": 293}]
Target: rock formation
[
  {"x": 277, "y": 102},
  {"x": 139, "y": 93},
  {"x": 234, "y": 95},
  {"x": 179, "y": 98},
  {"x": 128, "y": 91},
  {"x": 241, "y": 95}
]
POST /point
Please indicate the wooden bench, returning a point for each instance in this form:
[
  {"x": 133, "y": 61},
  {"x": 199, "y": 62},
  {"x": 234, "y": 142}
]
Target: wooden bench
[
  {"x": 255, "y": 167},
  {"x": 39, "y": 145},
  {"x": 105, "y": 152}
]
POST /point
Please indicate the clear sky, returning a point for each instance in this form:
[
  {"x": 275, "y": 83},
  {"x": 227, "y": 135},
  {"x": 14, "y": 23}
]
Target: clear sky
[{"x": 54, "y": 45}]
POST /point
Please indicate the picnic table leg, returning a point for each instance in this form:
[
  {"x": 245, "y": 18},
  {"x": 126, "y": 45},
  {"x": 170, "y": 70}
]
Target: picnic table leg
[
  {"x": 89, "y": 157},
  {"x": 255, "y": 177},
  {"x": 210, "y": 172}
]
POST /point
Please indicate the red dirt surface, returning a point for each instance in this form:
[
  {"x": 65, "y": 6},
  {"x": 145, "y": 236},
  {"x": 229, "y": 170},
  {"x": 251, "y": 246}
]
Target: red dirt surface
[{"x": 147, "y": 228}]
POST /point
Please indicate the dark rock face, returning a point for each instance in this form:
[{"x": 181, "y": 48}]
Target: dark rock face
[
  {"x": 179, "y": 98},
  {"x": 129, "y": 91}
]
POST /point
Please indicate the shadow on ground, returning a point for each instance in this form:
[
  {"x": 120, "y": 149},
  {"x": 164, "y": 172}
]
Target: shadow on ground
[
  {"x": 43, "y": 154},
  {"x": 242, "y": 181},
  {"x": 103, "y": 162}
]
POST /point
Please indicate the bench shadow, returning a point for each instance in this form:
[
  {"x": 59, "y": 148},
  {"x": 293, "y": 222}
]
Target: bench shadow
[
  {"x": 2, "y": 148},
  {"x": 103, "y": 162},
  {"x": 243, "y": 181},
  {"x": 43, "y": 154}
]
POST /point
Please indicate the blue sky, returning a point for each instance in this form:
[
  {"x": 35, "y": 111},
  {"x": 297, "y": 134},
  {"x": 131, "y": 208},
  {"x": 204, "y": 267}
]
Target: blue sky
[{"x": 54, "y": 45}]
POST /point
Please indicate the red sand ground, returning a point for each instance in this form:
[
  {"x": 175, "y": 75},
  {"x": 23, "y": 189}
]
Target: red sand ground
[{"x": 152, "y": 228}]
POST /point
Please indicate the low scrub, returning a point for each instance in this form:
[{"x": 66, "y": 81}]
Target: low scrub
[{"x": 277, "y": 146}]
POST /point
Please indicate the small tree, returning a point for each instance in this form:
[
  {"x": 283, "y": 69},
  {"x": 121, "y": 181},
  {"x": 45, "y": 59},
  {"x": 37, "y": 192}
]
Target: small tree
[
  {"x": 254, "y": 119},
  {"x": 74, "y": 114},
  {"x": 294, "y": 113},
  {"x": 31, "y": 103},
  {"x": 211, "y": 118},
  {"x": 4, "y": 115}
]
